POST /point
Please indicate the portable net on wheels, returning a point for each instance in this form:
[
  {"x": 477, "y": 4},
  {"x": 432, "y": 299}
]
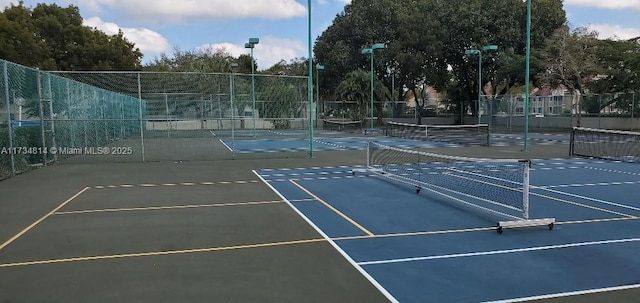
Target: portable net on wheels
[
  {"x": 605, "y": 144},
  {"x": 496, "y": 186},
  {"x": 472, "y": 134}
]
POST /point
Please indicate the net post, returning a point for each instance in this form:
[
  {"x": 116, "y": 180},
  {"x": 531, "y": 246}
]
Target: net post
[
  {"x": 525, "y": 188},
  {"x": 572, "y": 141},
  {"x": 488, "y": 136},
  {"x": 368, "y": 153}
]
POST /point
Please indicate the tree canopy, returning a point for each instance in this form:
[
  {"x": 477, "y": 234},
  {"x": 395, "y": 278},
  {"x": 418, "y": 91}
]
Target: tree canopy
[
  {"x": 426, "y": 41},
  {"x": 51, "y": 37},
  {"x": 206, "y": 60},
  {"x": 425, "y": 46}
]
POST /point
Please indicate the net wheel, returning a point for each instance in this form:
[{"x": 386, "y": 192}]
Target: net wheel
[
  {"x": 499, "y": 230},
  {"x": 417, "y": 189},
  {"x": 551, "y": 225}
]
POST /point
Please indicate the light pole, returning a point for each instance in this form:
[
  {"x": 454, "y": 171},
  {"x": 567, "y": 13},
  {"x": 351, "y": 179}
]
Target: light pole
[
  {"x": 319, "y": 67},
  {"x": 251, "y": 45},
  {"x": 526, "y": 78},
  {"x": 310, "y": 78},
  {"x": 370, "y": 51},
  {"x": 479, "y": 53},
  {"x": 231, "y": 96}
]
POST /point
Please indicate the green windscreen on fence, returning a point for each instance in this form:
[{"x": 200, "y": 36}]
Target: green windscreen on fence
[
  {"x": 148, "y": 116},
  {"x": 46, "y": 118}
]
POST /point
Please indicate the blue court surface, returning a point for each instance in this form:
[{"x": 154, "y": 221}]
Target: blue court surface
[
  {"x": 422, "y": 247},
  {"x": 300, "y": 144},
  {"x": 262, "y": 144}
]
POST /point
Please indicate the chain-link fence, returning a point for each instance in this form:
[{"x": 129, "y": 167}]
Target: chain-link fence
[
  {"x": 561, "y": 112},
  {"x": 138, "y": 116},
  {"x": 48, "y": 118},
  {"x": 354, "y": 111}
]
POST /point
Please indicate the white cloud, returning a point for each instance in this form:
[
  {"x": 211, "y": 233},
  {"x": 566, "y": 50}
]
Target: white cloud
[
  {"x": 181, "y": 11},
  {"x": 7, "y": 3},
  {"x": 614, "y": 31},
  {"x": 611, "y": 4},
  {"x": 150, "y": 42},
  {"x": 268, "y": 52}
]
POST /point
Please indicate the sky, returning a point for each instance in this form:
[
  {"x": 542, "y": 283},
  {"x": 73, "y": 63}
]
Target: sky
[{"x": 159, "y": 26}]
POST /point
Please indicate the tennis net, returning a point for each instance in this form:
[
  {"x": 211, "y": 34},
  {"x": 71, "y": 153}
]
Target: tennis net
[
  {"x": 472, "y": 134},
  {"x": 342, "y": 125},
  {"x": 605, "y": 144},
  {"x": 499, "y": 187}
]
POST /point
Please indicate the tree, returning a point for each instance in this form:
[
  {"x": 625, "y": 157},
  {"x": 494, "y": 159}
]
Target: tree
[
  {"x": 570, "y": 60},
  {"x": 356, "y": 87},
  {"x": 50, "y": 37},
  {"x": 295, "y": 67},
  {"x": 426, "y": 40},
  {"x": 620, "y": 65},
  {"x": 362, "y": 23},
  {"x": 206, "y": 60},
  {"x": 474, "y": 24}
]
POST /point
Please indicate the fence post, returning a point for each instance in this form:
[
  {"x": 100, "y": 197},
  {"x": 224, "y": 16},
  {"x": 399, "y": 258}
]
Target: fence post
[
  {"x": 5, "y": 74},
  {"x": 52, "y": 127},
  {"x": 633, "y": 109},
  {"x": 94, "y": 118},
  {"x": 41, "y": 114},
  {"x": 122, "y": 118},
  {"x": 85, "y": 114},
  {"x": 69, "y": 117},
  {"x": 599, "y": 110},
  {"x": 140, "y": 117}
]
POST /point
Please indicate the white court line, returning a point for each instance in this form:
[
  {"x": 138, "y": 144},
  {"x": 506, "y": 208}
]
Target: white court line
[
  {"x": 497, "y": 252},
  {"x": 373, "y": 281},
  {"x": 227, "y": 146},
  {"x": 567, "y": 294},
  {"x": 588, "y": 198}
]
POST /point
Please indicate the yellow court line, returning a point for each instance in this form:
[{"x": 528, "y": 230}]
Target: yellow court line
[
  {"x": 366, "y": 231},
  {"x": 465, "y": 230},
  {"x": 24, "y": 231},
  {"x": 303, "y": 200},
  {"x": 89, "y": 211},
  {"x": 625, "y": 218},
  {"x": 163, "y": 253},
  {"x": 148, "y": 185},
  {"x": 416, "y": 233}
]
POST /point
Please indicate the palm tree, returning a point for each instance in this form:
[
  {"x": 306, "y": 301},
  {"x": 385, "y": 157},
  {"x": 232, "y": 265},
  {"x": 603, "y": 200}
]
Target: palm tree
[{"x": 356, "y": 86}]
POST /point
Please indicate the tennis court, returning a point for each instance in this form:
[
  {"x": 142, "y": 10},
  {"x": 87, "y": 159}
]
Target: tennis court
[
  {"x": 164, "y": 232},
  {"x": 327, "y": 140},
  {"x": 310, "y": 230},
  {"x": 423, "y": 248}
]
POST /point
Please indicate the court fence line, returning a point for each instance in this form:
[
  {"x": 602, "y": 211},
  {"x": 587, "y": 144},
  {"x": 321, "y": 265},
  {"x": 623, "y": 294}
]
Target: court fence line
[{"x": 140, "y": 116}]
